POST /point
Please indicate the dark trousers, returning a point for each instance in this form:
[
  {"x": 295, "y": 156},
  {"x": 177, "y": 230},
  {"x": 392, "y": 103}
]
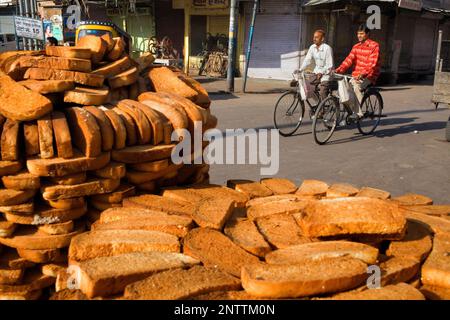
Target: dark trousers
[{"x": 324, "y": 89}]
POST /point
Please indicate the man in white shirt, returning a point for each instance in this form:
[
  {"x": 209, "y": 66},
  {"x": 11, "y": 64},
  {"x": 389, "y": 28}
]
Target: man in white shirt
[{"x": 322, "y": 54}]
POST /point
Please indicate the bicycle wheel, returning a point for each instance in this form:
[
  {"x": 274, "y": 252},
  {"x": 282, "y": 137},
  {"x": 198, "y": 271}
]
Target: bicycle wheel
[
  {"x": 372, "y": 107},
  {"x": 288, "y": 113},
  {"x": 325, "y": 119}
]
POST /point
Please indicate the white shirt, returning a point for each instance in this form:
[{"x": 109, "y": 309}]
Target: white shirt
[{"x": 323, "y": 59}]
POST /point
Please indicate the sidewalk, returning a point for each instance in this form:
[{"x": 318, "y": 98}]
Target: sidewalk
[{"x": 261, "y": 86}]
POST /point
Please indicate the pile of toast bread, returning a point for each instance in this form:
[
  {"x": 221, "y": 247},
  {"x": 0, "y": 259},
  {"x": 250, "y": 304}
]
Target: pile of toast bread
[{"x": 82, "y": 128}]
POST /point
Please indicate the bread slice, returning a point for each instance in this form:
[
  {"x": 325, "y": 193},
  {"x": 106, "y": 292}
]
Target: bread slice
[
  {"x": 59, "y": 63},
  {"x": 250, "y": 188},
  {"x": 21, "y": 181},
  {"x": 138, "y": 177},
  {"x": 100, "y": 205},
  {"x": 114, "y": 170},
  {"x": 279, "y": 186},
  {"x": 33, "y": 280},
  {"x": 14, "y": 197},
  {"x": 31, "y": 138},
  {"x": 281, "y": 230},
  {"x": 10, "y": 143},
  {"x": 181, "y": 284},
  {"x": 164, "y": 80},
  {"x": 213, "y": 213},
  {"x": 274, "y": 198},
  {"x": 19, "y": 208},
  {"x": 213, "y": 248},
  {"x": 10, "y": 276},
  {"x": 417, "y": 242},
  {"x": 144, "y": 153},
  {"x": 412, "y": 199},
  {"x": 301, "y": 280},
  {"x": 70, "y": 179},
  {"x": 107, "y": 243},
  {"x": 176, "y": 116},
  {"x": 88, "y": 188},
  {"x": 52, "y": 269},
  {"x": 106, "y": 276},
  {"x": 7, "y": 228},
  {"x": 346, "y": 217},
  {"x": 85, "y": 132},
  {"x": 117, "y": 196},
  {"x": 67, "y": 294},
  {"x": 57, "y": 228},
  {"x": 434, "y": 210},
  {"x": 45, "y": 129},
  {"x": 96, "y": 44},
  {"x": 69, "y": 52},
  {"x": 87, "y": 79},
  {"x": 245, "y": 234},
  {"x": 435, "y": 293},
  {"x": 10, "y": 259},
  {"x": 152, "y": 166},
  {"x": 436, "y": 269},
  {"x": 130, "y": 125},
  {"x": 61, "y": 131},
  {"x": 318, "y": 250},
  {"x": 373, "y": 193},
  {"x": 9, "y": 167},
  {"x": 120, "y": 133},
  {"x": 155, "y": 119},
  {"x": 48, "y": 86},
  {"x": 117, "y": 50},
  {"x": 399, "y": 269},
  {"x": 106, "y": 129},
  {"x": 313, "y": 188},
  {"x": 144, "y": 129},
  {"x": 158, "y": 203},
  {"x": 28, "y": 237},
  {"x": 202, "y": 99},
  {"x": 283, "y": 206},
  {"x": 23, "y": 295},
  {"x": 437, "y": 225},
  {"x": 20, "y": 103},
  {"x": 114, "y": 68},
  {"x": 66, "y": 204},
  {"x": 131, "y": 213},
  {"x": 401, "y": 291},
  {"x": 44, "y": 215},
  {"x": 42, "y": 256},
  {"x": 125, "y": 78},
  {"x": 341, "y": 190},
  {"x": 87, "y": 96}
]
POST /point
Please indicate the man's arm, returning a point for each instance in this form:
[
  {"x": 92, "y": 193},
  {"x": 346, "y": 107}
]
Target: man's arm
[
  {"x": 329, "y": 63},
  {"x": 307, "y": 61},
  {"x": 347, "y": 63},
  {"x": 373, "y": 61}
]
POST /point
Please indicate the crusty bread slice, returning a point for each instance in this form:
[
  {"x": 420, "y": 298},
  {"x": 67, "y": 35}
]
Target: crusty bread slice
[
  {"x": 107, "y": 243},
  {"x": 21, "y": 181},
  {"x": 245, "y": 234},
  {"x": 87, "y": 96},
  {"x": 181, "y": 284},
  {"x": 10, "y": 276},
  {"x": 117, "y": 50},
  {"x": 435, "y": 293},
  {"x": 144, "y": 129},
  {"x": 341, "y": 190},
  {"x": 401, "y": 291},
  {"x": 106, "y": 129},
  {"x": 70, "y": 179},
  {"x": 7, "y": 228},
  {"x": 52, "y": 269},
  {"x": 139, "y": 177},
  {"x": 9, "y": 167},
  {"x": 45, "y": 129},
  {"x": 344, "y": 217},
  {"x": 274, "y": 198},
  {"x": 120, "y": 133},
  {"x": 286, "y": 206},
  {"x": 87, "y": 79},
  {"x": 109, "y": 41},
  {"x": 48, "y": 86},
  {"x": 215, "y": 249},
  {"x": 202, "y": 99},
  {"x": 61, "y": 132},
  {"x": 105, "y": 276},
  {"x": 434, "y": 210},
  {"x": 213, "y": 213},
  {"x": 14, "y": 197},
  {"x": 10, "y": 142},
  {"x": 313, "y": 188},
  {"x": 436, "y": 269},
  {"x": 32, "y": 280},
  {"x": 67, "y": 294},
  {"x": 302, "y": 280},
  {"x": 114, "y": 68},
  {"x": 164, "y": 80},
  {"x": 85, "y": 132},
  {"x": 399, "y": 269},
  {"x": 44, "y": 215},
  {"x": 158, "y": 203},
  {"x": 438, "y": 225},
  {"x": 124, "y": 78},
  {"x": 97, "y": 45},
  {"x": 177, "y": 116},
  {"x": 114, "y": 170},
  {"x": 57, "y": 228},
  {"x": 56, "y": 192},
  {"x": 22, "y": 295},
  {"x": 319, "y": 250},
  {"x": 250, "y": 188},
  {"x": 279, "y": 186},
  {"x": 60, "y": 63},
  {"x": 281, "y": 230},
  {"x": 69, "y": 52},
  {"x": 417, "y": 242},
  {"x": 131, "y": 213},
  {"x": 11, "y": 259},
  {"x": 412, "y": 199},
  {"x": 130, "y": 125},
  {"x": 144, "y": 153},
  {"x": 373, "y": 193},
  {"x": 19, "y": 208},
  {"x": 117, "y": 196},
  {"x": 66, "y": 204},
  {"x": 31, "y": 138},
  {"x": 152, "y": 166},
  {"x": 156, "y": 121}
]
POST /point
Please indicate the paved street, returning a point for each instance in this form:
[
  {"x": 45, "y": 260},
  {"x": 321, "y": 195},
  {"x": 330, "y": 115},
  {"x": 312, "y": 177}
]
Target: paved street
[{"x": 395, "y": 158}]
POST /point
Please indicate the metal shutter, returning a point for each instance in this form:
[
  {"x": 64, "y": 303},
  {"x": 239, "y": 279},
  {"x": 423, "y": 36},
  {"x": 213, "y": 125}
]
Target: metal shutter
[{"x": 219, "y": 25}]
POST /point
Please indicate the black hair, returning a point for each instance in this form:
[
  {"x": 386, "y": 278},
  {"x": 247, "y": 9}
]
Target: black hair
[
  {"x": 53, "y": 41},
  {"x": 363, "y": 27}
]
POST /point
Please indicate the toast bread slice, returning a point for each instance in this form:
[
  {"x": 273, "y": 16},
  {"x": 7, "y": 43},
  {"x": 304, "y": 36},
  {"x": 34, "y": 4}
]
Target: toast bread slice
[
  {"x": 61, "y": 132},
  {"x": 245, "y": 234},
  {"x": 106, "y": 129},
  {"x": 279, "y": 186}
]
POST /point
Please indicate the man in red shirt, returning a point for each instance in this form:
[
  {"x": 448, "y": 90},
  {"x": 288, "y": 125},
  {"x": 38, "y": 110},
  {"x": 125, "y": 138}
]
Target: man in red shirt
[{"x": 365, "y": 58}]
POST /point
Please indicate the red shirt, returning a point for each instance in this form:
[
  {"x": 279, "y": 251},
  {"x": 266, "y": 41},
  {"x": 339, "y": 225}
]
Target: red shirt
[{"x": 366, "y": 57}]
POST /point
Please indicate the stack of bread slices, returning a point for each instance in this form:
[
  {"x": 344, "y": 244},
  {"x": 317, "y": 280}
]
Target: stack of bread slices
[
  {"x": 82, "y": 128},
  {"x": 263, "y": 240}
]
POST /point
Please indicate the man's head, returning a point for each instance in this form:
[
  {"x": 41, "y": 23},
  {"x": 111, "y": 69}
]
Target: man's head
[
  {"x": 318, "y": 37},
  {"x": 51, "y": 41},
  {"x": 363, "y": 33}
]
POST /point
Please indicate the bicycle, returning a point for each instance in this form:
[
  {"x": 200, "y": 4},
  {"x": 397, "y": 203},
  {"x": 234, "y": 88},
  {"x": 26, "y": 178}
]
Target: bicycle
[
  {"x": 290, "y": 108},
  {"x": 328, "y": 114}
]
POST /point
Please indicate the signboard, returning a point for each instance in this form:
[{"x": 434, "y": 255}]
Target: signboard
[
  {"x": 210, "y": 4},
  {"x": 415, "y": 5},
  {"x": 29, "y": 28}
]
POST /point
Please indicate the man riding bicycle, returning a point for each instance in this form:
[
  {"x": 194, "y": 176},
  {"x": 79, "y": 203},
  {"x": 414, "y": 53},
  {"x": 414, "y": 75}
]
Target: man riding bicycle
[
  {"x": 322, "y": 54},
  {"x": 365, "y": 56}
]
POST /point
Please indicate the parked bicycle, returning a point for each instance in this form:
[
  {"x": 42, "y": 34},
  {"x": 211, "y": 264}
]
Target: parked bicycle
[
  {"x": 290, "y": 108},
  {"x": 331, "y": 113}
]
